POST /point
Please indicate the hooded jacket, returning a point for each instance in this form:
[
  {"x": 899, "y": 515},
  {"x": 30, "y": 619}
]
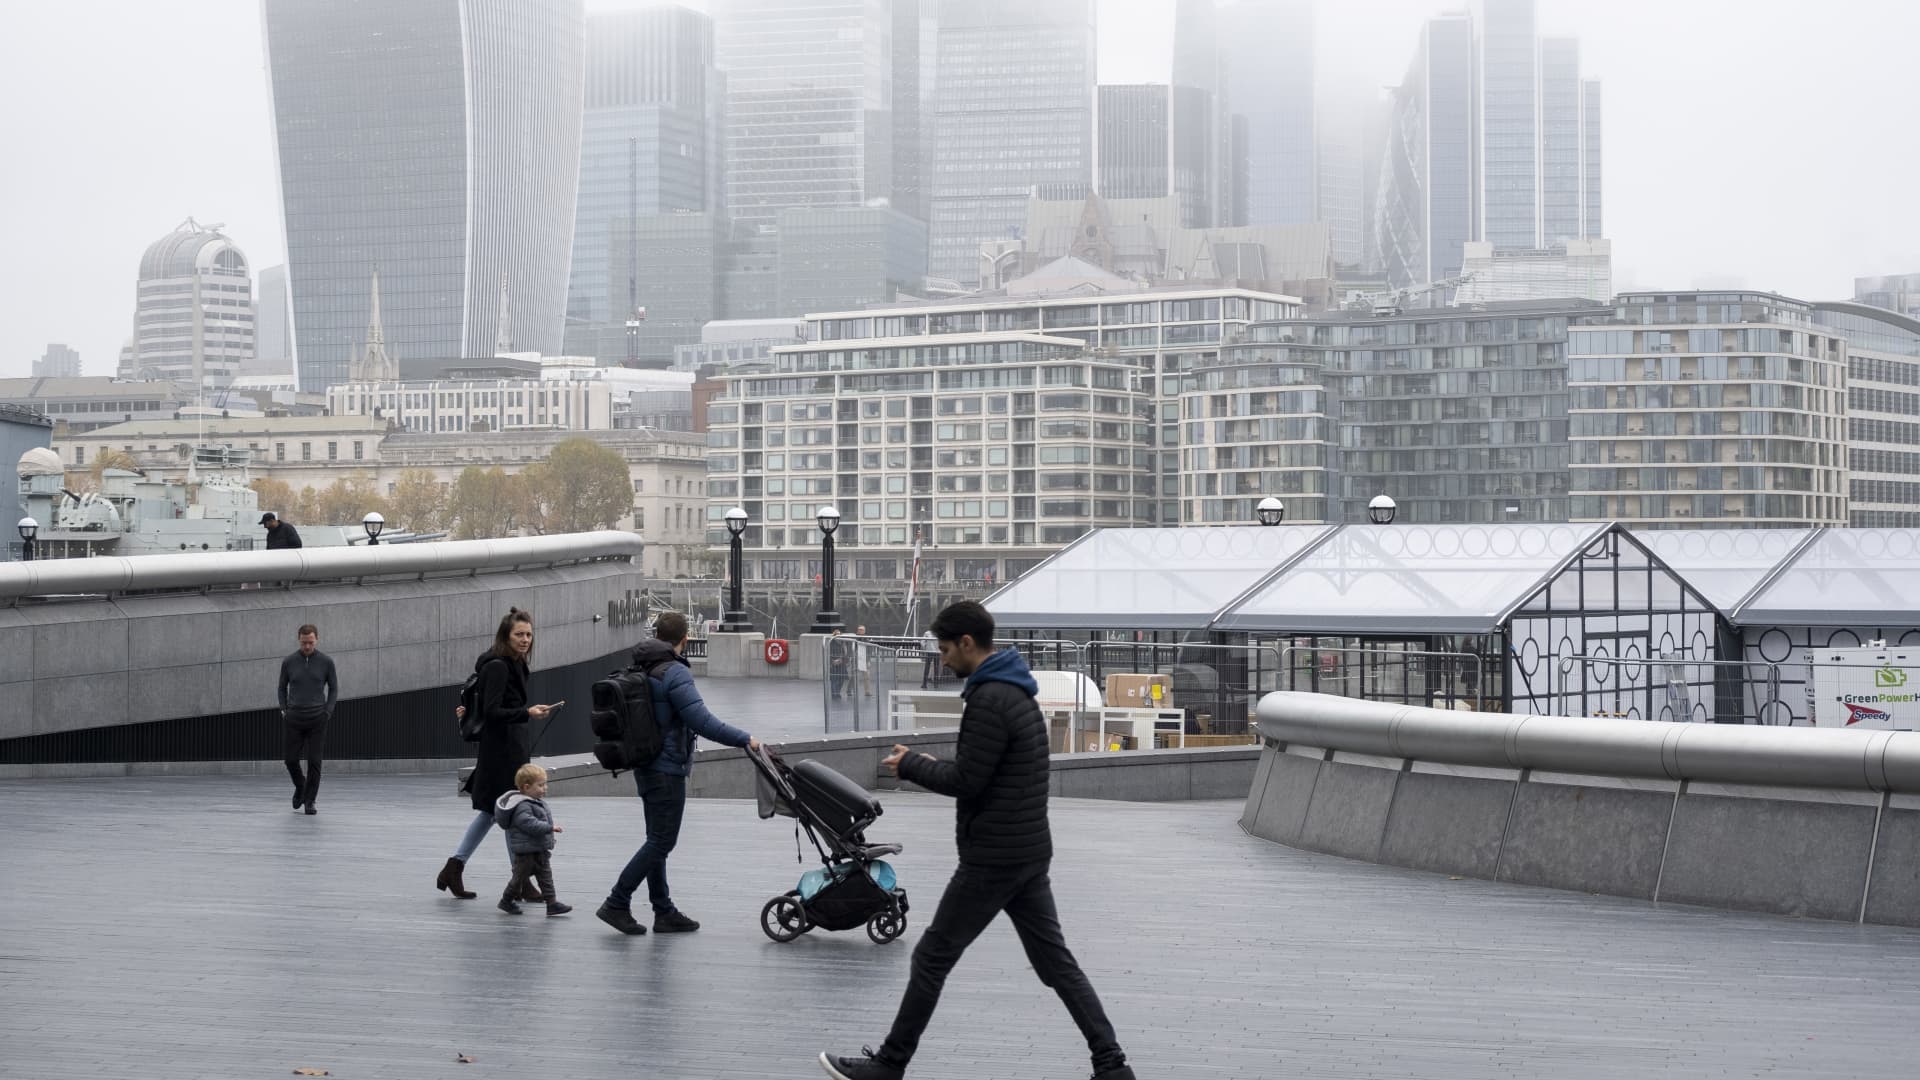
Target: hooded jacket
[
  {"x": 998, "y": 775},
  {"x": 678, "y": 709},
  {"x": 528, "y": 822}
]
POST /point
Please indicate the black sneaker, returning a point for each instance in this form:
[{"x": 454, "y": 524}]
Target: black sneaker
[
  {"x": 865, "y": 1067},
  {"x": 555, "y": 907},
  {"x": 620, "y": 919},
  {"x": 311, "y": 810},
  {"x": 507, "y": 905},
  {"x": 673, "y": 922},
  {"x": 1124, "y": 1072},
  {"x": 298, "y": 798}
]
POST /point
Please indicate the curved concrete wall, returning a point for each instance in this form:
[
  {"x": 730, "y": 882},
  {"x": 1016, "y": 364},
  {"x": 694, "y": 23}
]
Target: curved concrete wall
[
  {"x": 1798, "y": 821},
  {"x": 395, "y": 619}
]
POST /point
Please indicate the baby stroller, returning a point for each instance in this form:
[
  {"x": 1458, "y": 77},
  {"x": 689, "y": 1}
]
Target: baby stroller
[{"x": 854, "y": 885}]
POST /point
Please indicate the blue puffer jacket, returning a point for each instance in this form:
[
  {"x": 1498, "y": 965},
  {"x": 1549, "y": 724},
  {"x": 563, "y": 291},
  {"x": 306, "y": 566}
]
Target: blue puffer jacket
[{"x": 677, "y": 708}]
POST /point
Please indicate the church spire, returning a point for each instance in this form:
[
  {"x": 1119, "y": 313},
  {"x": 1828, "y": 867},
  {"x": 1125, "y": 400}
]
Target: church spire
[{"x": 374, "y": 366}]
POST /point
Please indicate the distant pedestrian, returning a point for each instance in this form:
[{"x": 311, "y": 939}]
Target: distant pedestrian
[
  {"x": 929, "y": 659},
  {"x": 308, "y": 689},
  {"x": 837, "y": 664},
  {"x": 998, "y": 779},
  {"x": 504, "y": 714},
  {"x": 662, "y": 783},
  {"x": 530, "y": 830},
  {"x": 862, "y": 663},
  {"x": 280, "y": 534}
]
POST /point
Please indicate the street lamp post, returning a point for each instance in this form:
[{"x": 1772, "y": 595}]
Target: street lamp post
[
  {"x": 828, "y": 620},
  {"x": 29, "y": 528},
  {"x": 1381, "y": 510},
  {"x": 1271, "y": 511},
  {"x": 735, "y": 619},
  {"x": 373, "y": 523}
]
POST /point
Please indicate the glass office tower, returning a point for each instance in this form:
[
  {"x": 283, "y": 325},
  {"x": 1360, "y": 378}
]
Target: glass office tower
[{"x": 439, "y": 141}]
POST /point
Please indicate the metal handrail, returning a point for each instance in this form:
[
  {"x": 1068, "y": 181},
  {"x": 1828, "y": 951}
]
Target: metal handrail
[
  {"x": 1761, "y": 712},
  {"x": 1833, "y": 758},
  {"x": 1479, "y": 664},
  {"x": 196, "y": 570}
]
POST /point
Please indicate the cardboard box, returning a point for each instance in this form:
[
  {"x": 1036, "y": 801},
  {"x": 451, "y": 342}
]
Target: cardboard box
[{"x": 1139, "y": 692}]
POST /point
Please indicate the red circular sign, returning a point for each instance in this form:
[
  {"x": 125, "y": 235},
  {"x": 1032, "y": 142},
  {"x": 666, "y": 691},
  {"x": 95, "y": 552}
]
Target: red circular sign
[{"x": 776, "y": 650}]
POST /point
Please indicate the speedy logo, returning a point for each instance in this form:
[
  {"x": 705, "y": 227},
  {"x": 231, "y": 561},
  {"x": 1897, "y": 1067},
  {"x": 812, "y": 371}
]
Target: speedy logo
[{"x": 1860, "y": 713}]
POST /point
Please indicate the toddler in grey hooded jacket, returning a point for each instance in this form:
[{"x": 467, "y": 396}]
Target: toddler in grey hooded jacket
[{"x": 528, "y": 822}]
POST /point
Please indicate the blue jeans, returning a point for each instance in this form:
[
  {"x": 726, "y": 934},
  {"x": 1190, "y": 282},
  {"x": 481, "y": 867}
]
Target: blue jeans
[
  {"x": 665, "y": 800},
  {"x": 477, "y": 830}
]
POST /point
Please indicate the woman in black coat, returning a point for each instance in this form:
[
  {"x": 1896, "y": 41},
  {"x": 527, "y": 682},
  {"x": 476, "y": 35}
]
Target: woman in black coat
[{"x": 503, "y": 736}]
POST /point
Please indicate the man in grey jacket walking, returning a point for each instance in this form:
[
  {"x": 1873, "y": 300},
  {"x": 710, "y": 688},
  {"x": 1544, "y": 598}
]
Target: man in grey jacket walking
[{"x": 308, "y": 690}]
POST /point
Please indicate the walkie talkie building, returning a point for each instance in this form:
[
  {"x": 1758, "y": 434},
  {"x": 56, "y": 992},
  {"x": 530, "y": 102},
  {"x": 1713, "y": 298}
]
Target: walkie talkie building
[{"x": 439, "y": 141}]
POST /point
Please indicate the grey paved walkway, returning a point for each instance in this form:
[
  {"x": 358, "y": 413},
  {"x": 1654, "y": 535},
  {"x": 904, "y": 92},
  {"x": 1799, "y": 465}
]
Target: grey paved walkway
[{"x": 197, "y": 928}]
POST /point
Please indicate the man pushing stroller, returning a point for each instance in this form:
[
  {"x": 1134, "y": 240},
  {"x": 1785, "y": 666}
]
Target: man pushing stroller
[{"x": 998, "y": 779}]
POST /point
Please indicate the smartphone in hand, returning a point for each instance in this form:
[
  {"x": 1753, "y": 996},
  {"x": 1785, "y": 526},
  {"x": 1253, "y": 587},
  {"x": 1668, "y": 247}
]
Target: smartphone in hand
[{"x": 556, "y": 705}]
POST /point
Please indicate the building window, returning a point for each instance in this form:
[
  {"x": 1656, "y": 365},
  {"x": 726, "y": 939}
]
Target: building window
[
  {"x": 639, "y": 517},
  {"x": 79, "y": 455},
  {"x": 279, "y": 451},
  {"x": 333, "y": 451},
  {"x": 359, "y": 450},
  {"x": 306, "y": 451}
]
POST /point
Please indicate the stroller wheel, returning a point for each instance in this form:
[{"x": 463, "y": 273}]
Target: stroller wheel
[
  {"x": 886, "y": 926},
  {"x": 784, "y": 919}
]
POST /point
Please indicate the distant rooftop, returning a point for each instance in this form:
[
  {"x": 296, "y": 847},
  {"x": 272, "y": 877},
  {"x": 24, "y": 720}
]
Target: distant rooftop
[
  {"x": 83, "y": 386},
  {"x": 216, "y": 427},
  {"x": 985, "y": 300}
]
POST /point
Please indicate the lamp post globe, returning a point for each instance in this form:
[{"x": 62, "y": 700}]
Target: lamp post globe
[
  {"x": 29, "y": 528},
  {"x": 734, "y": 621},
  {"x": 373, "y": 523},
  {"x": 1381, "y": 510},
  {"x": 828, "y": 619},
  {"x": 1271, "y": 511}
]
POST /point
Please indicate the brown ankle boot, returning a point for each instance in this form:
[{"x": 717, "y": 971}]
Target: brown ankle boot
[{"x": 449, "y": 879}]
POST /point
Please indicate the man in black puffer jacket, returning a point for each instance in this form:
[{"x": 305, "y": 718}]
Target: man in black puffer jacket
[{"x": 998, "y": 779}]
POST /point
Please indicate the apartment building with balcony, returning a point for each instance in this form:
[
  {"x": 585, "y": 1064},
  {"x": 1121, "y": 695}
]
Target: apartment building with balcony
[
  {"x": 1728, "y": 407},
  {"x": 1883, "y": 413},
  {"x": 991, "y": 430},
  {"x": 1459, "y": 414}
]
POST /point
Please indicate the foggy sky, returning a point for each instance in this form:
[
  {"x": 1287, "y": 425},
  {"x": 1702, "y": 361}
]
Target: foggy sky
[{"x": 1753, "y": 143}]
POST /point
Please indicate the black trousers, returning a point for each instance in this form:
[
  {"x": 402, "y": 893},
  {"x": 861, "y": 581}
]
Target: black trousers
[
  {"x": 974, "y": 896},
  {"x": 306, "y": 737},
  {"x": 537, "y": 865}
]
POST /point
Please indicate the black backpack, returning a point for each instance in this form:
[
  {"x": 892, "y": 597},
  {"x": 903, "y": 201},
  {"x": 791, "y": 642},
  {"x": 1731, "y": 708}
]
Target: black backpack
[
  {"x": 623, "y": 719},
  {"x": 473, "y": 721}
]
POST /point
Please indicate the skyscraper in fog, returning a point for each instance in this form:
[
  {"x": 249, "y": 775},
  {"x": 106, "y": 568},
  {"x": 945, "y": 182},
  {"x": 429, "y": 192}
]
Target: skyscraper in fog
[
  {"x": 1014, "y": 111},
  {"x": 1539, "y": 161},
  {"x": 822, "y": 104},
  {"x": 1509, "y": 118},
  {"x": 1268, "y": 49},
  {"x": 1201, "y": 117},
  {"x": 1133, "y": 130},
  {"x": 650, "y": 145},
  {"x": 1425, "y": 211},
  {"x": 1347, "y": 144},
  {"x": 272, "y": 325},
  {"x": 60, "y": 362},
  {"x": 438, "y": 140}
]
